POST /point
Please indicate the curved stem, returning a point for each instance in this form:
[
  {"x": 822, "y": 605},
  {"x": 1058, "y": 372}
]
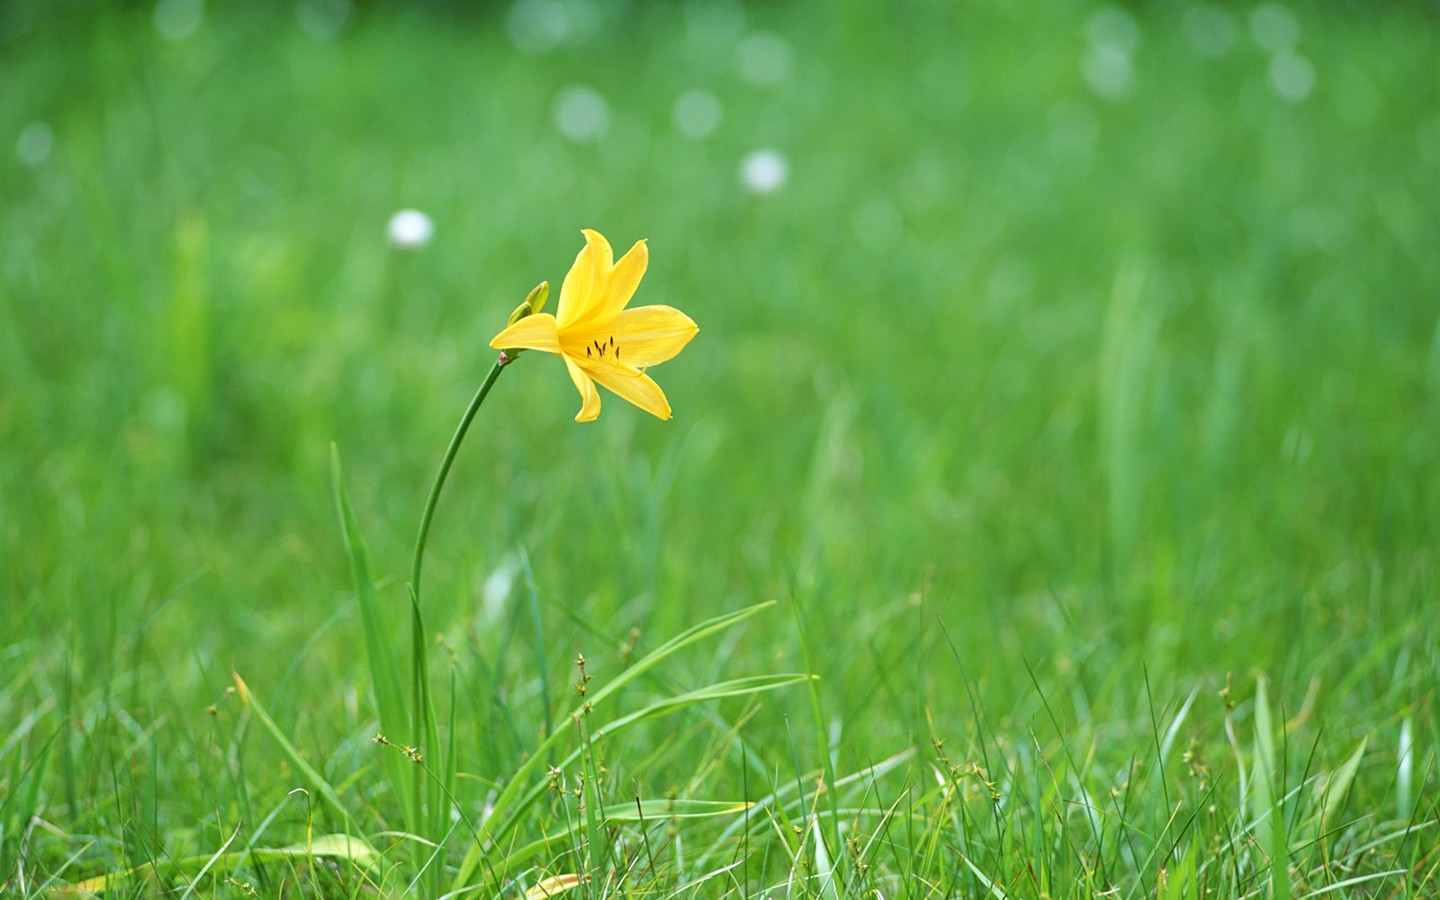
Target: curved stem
[
  {"x": 425, "y": 731},
  {"x": 445, "y": 471}
]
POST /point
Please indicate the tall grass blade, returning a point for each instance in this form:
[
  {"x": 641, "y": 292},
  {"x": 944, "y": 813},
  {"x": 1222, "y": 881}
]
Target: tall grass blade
[
  {"x": 312, "y": 777},
  {"x": 385, "y": 676},
  {"x": 1339, "y": 786}
]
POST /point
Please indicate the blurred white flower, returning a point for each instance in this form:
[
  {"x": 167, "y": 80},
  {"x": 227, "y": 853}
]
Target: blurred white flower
[
  {"x": 35, "y": 143},
  {"x": 697, "y": 113},
  {"x": 410, "y": 229},
  {"x": 178, "y": 19},
  {"x": 581, "y": 114},
  {"x": 764, "y": 171},
  {"x": 764, "y": 59}
]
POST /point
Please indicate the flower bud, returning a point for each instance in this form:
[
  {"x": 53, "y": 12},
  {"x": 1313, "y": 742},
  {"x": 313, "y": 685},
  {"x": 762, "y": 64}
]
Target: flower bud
[
  {"x": 537, "y": 296},
  {"x": 534, "y": 302}
]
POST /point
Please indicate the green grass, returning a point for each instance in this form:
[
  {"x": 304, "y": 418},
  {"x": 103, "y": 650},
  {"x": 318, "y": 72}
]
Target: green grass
[{"x": 1086, "y": 448}]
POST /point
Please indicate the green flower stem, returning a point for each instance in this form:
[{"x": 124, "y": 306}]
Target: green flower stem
[
  {"x": 440, "y": 476},
  {"x": 424, "y": 722}
]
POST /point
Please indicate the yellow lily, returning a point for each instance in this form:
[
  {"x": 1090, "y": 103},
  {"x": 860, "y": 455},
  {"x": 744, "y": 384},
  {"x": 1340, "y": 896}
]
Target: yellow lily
[{"x": 599, "y": 339}]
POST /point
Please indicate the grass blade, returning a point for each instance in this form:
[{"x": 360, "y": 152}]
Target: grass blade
[{"x": 385, "y": 676}]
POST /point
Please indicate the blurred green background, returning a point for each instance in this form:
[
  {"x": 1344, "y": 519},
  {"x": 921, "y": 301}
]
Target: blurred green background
[{"x": 1100, "y": 340}]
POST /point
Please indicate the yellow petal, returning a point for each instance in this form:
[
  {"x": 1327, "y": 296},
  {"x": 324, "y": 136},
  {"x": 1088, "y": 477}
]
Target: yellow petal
[
  {"x": 584, "y": 284},
  {"x": 649, "y": 335},
  {"x": 623, "y": 280},
  {"x": 634, "y": 386},
  {"x": 589, "y": 397},
  {"x": 534, "y": 332}
]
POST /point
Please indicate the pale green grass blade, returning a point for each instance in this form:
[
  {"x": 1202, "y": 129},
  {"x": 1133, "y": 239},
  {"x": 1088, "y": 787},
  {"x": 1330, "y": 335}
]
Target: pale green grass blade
[
  {"x": 328, "y": 846},
  {"x": 995, "y": 890},
  {"x": 190, "y": 888},
  {"x": 824, "y": 871},
  {"x": 1267, "y": 806},
  {"x": 1339, "y": 786},
  {"x": 1348, "y": 883},
  {"x": 312, "y": 777},
  {"x": 650, "y": 810},
  {"x": 1405, "y": 771}
]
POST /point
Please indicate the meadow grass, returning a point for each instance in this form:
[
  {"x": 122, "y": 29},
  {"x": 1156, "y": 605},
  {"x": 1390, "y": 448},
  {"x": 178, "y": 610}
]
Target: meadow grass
[{"x": 1051, "y": 507}]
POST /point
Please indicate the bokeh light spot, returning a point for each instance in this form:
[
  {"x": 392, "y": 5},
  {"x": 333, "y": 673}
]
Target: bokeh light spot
[
  {"x": 35, "y": 143},
  {"x": 410, "y": 229},
  {"x": 1108, "y": 71},
  {"x": 1291, "y": 76},
  {"x": 178, "y": 19},
  {"x": 764, "y": 59},
  {"x": 535, "y": 26},
  {"x": 581, "y": 114},
  {"x": 764, "y": 171},
  {"x": 1274, "y": 27},
  {"x": 697, "y": 113},
  {"x": 1111, "y": 26}
]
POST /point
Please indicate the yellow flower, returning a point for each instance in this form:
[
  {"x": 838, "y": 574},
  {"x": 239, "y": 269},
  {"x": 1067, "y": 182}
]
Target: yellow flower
[{"x": 599, "y": 339}]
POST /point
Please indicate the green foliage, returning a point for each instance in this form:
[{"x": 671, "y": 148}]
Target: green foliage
[{"x": 1076, "y": 399}]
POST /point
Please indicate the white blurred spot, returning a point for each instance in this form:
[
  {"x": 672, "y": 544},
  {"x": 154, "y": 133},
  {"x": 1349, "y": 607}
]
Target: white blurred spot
[
  {"x": 581, "y": 114},
  {"x": 496, "y": 589},
  {"x": 764, "y": 59},
  {"x": 1291, "y": 76},
  {"x": 697, "y": 113},
  {"x": 877, "y": 224},
  {"x": 410, "y": 229},
  {"x": 535, "y": 26},
  {"x": 1210, "y": 29},
  {"x": 1108, "y": 71},
  {"x": 35, "y": 143},
  {"x": 178, "y": 19},
  {"x": 1113, "y": 37},
  {"x": 1111, "y": 26},
  {"x": 764, "y": 171},
  {"x": 1274, "y": 27},
  {"x": 322, "y": 19}
]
